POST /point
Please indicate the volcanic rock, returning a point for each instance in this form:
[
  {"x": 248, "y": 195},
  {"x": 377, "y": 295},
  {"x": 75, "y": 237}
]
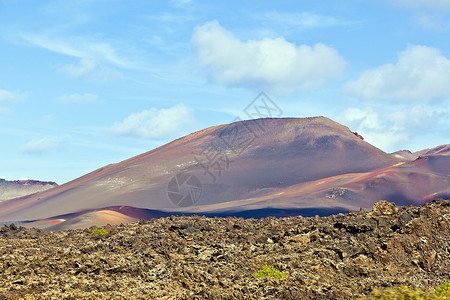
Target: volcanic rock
[{"x": 178, "y": 257}]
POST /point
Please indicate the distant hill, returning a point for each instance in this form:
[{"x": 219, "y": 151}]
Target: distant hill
[
  {"x": 18, "y": 188},
  {"x": 254, "y": 168}
]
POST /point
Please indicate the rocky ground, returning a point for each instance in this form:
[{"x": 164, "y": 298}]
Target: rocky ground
[{"x": 337, "y": 257}]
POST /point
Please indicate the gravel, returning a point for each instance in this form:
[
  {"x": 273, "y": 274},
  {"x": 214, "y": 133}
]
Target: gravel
[{"x": 343, "y": 256}]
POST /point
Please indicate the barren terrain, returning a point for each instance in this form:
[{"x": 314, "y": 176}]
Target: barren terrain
[{"x": 337, "y": 257}]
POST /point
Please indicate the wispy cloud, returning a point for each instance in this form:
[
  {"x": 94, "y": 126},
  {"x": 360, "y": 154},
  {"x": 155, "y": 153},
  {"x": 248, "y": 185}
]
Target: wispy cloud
[
  {"x": 83, "y": 67},
  {"x": 421, "y": 73},
  {"x": 45, "y": 145},
  {"x": 93, "y": 51},
  {"x": 180, "y": 3},
  {"x": 172, "y": 17},
  {"x": 9, "y": 95},
  {"x": 154, "y": 123},
  {"x": 430, "y": 4},
  {"x": 79, "y": 99},
  {"x": 303, "y": 19},
  {"x": 428, "y": 14},
  {"x": 92, "y": 71},
  {"x": 268, "y": 63},
  {"x": 6, "y": 95},
  {"x": 433, "y": 22}
]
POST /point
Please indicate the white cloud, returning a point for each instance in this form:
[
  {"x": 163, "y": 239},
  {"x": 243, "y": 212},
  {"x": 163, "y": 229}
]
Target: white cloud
[
  {"x": 154, "y": 123},
  {"x": 421, "y": 73},
  {"x": 303, "y": 19},
  {"x": 270, "y": 63},
  {"x": 367, "y": 118},
  {"x": 414, "y": 119},
  {"x": 44, "y": 145},
  {"x": 79, "y": 98},
  {"x": 368, "y": 124},
  {"x": 389, "y": 131}
]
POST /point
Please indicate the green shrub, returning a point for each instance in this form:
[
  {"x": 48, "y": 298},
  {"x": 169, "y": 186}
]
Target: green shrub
[
  {"x": 99, "y": 231},
  {"x": 444, "y": 290},
  {"x": 407, "y": 293},
  {"x": 401, "y": 293},
  {"x": 268, "y": 271}
]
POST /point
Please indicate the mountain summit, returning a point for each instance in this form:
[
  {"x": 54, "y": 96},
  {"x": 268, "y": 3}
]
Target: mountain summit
[{"x": 250, "y": 168}]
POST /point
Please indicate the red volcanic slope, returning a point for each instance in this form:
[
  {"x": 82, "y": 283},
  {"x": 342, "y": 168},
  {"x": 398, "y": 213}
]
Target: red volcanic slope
[
  {"x": 404, "y": 183},
  {"x": 254, "y": 165},
  {"x": 439, "y": 150}
]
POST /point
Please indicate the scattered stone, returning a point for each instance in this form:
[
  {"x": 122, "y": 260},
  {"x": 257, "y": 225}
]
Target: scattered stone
[
  {"x": 384, "y": 208},
  {"x": 337, "y": 257}
]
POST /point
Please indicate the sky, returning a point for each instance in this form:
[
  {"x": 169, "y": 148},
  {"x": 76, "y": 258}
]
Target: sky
[{"x": 87, "y": 83}]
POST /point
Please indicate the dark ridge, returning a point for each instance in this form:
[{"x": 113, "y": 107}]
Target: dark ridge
[
  {"x": 148, "y": 214},
  {"x": 279, "y": 213},
  {"x": 29, "y": 182}
]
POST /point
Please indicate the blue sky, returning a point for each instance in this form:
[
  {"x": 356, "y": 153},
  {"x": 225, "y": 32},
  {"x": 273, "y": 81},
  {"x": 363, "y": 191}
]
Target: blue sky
[{"x": 88, "y": 83}]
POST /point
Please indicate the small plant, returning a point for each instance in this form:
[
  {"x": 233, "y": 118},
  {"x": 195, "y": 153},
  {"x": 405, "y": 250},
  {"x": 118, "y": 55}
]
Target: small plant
[
  {"x": 406, "y": 292},
  {"x": 99, "y": 231},
  {"x": 443, "y": 290},
  {"x": 268, "y": 271},
  {"x": 403, "y": 292}
]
